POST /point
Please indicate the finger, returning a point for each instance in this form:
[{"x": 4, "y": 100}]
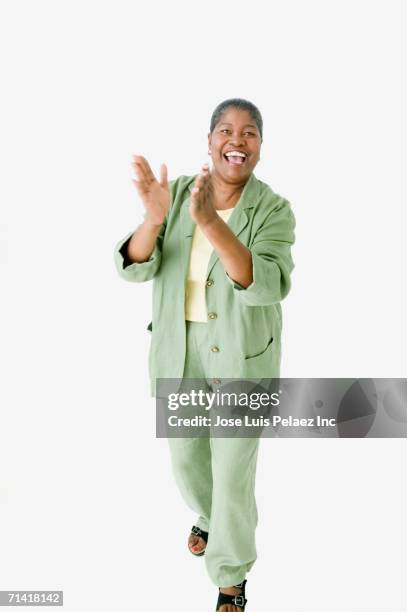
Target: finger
[
  {"x": 146, "y": 167},
  {"x": 206, "y": 182},
  {"x": 205, "y": 174},
  {"x": 194, "y": 193},
  {"x": 139, "y": 160},
  {"x": 139, "y": 166},
  {"x": 140, "y": 186},
  {"x": 206, "y": 179},
  {"x": 142, "y": 172},
  {"x": 199, "y": 181},
  {"x": 139, "y": 173},
  {"x": 164, "y": 176}
]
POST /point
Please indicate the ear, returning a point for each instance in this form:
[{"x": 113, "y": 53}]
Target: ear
[{"x": 209, "y": 142}]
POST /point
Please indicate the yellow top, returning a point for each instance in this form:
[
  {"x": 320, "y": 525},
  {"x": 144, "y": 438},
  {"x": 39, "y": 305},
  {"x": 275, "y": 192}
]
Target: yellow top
[{"x": 201, "y": 250}]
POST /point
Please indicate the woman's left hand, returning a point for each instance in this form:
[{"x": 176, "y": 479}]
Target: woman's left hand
[{"x": 202, "y": 201}]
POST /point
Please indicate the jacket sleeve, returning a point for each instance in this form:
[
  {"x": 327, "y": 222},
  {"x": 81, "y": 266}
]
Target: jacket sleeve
[
  {"x": 271, "y": 259},
  {"x": 139, "y": 272}
]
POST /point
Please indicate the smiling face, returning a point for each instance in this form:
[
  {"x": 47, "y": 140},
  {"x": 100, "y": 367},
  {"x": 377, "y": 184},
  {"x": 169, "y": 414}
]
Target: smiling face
[{"x": 235, "y": 146}]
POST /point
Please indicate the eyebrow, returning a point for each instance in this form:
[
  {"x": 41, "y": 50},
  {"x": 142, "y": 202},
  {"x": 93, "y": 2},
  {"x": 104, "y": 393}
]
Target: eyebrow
[{"x": 247, "y": 124}]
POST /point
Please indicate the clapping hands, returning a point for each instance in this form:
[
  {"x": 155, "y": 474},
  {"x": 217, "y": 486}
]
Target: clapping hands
[
  {"x": 202, "y": 207},
  {"x": 156, "y": 198},
  {"x": 154, "y": 194}
]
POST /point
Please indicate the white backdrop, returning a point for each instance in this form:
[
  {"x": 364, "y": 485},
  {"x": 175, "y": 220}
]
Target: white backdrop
[{"x": 87, "y": 500}]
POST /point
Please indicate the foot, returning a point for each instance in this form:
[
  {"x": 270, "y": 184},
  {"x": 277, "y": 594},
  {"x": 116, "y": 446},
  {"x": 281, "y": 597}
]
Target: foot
[
  {"x": 230, "y": 607},
  {"x": 196, "y": 544}
]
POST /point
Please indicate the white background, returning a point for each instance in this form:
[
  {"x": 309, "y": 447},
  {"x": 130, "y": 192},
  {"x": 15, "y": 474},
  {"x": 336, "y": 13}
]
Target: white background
[{"x": 87, "y": 499}]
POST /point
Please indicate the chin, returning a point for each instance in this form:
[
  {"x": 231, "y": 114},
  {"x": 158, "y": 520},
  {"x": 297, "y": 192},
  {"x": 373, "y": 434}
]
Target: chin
[{"x": 232, "y": 173}]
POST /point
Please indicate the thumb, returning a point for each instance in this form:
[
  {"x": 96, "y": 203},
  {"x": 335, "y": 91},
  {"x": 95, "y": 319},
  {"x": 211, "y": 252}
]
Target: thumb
[{"x": 164, "y": 176}]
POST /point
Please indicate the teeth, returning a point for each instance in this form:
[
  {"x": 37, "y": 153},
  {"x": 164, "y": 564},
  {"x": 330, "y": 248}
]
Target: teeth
[{"x": 235, "y": 153}]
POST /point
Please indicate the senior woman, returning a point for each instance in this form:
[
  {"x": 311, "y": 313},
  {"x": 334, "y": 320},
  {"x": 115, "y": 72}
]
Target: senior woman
[{"x": 218, "y": 246}]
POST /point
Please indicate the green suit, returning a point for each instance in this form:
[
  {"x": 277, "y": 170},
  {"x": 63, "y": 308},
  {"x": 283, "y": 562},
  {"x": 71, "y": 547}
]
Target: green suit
[
  {"x": 244, "y": 323},
  {"x": 241, "y": 339}
]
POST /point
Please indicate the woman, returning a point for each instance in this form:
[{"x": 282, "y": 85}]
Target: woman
[{"x": 218, "y": 246}]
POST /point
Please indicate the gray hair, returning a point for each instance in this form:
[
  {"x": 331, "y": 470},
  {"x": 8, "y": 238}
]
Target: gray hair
[{"x": 240, "y": 104}]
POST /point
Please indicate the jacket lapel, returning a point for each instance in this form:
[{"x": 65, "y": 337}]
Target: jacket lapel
[
  {"x": 237, "y": 222},
  {"x": 187, "y": 232}
]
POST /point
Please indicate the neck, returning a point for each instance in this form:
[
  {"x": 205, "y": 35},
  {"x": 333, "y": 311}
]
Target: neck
[{"x": 226, "y": 194}]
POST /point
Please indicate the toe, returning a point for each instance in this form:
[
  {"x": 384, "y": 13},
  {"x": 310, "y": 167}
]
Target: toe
[
  {"x": 196, "y": 544},
  {"x": 200, "y": 545}
]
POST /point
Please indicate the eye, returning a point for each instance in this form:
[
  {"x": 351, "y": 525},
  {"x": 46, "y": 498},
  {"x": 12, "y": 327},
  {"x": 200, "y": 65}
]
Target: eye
[
  {"x": 225, "y": 130},
  {"x": 250, "y": 133}
]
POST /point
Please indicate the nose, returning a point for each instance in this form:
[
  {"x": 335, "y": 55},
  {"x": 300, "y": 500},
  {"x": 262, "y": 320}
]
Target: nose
[{"x": 236, "y": 139}]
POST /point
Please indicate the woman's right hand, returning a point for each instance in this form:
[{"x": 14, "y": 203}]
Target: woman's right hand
[{"x": 155, "y": 195}]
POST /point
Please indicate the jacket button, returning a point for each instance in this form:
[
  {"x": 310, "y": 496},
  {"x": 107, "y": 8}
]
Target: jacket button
[
  {"x": 212, "y": 315},
  {"x": 215, "y": 349},
  {"x": 209, "y": 283}
]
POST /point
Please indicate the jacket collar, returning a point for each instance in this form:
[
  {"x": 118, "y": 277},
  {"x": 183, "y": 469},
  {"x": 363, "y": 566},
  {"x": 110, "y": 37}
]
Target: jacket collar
[{"x": 237, "y": 220}]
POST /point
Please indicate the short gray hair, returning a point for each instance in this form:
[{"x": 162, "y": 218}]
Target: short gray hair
[{"x": 240, "y": 104}]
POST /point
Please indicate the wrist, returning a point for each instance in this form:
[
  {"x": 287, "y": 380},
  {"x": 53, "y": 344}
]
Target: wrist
[
  {"x": 212, "y": 221},
  {"x": 151, "y": 225}
]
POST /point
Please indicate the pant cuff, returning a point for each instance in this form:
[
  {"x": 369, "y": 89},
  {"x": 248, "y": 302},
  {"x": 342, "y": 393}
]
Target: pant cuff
[
  {"x": 228, "y": 580},
  {"x": 202, "y": 524}
]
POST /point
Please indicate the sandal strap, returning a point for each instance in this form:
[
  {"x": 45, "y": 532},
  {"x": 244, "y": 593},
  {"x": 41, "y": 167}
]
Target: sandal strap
[
  {"x": 238, "y": 600},
  {"x": 200, "y": 533},
  {"x": 241, "y": 585}
]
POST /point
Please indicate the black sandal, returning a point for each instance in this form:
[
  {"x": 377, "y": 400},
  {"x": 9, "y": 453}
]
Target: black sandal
[
  {"x": 238, "y": 600},
  {"x": 201, "y": 534}
]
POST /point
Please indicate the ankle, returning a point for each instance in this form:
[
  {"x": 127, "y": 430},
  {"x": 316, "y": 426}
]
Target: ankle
[{"x": 232, "y": 590}]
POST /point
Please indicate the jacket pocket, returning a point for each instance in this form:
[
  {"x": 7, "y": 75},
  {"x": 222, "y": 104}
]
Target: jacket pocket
[{"x": 269, "y": 343}]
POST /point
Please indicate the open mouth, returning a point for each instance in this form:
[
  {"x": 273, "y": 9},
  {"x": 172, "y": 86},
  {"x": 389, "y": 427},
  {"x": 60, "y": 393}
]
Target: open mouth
[{"x": 235, "y": 158}]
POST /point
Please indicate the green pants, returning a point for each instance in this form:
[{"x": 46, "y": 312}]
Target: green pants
[{"x": 216, "y": 478}]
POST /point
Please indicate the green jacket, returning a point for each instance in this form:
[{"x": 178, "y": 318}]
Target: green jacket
[{"x": 246, "y": 323}]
